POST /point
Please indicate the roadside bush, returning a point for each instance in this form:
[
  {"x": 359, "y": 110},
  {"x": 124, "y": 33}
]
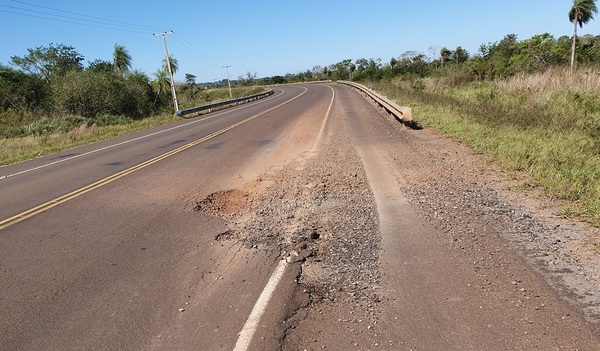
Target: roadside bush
[
  {"x": 86, "y": 93},
  {"x": 21, "y": 91},
  {"x": 90, "y": 93},
  {"x": 140, "y": 99}
]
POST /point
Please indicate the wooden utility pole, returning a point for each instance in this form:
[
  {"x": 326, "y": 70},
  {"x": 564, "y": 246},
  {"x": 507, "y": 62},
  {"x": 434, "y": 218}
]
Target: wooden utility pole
[
  {"x": 173, "y": 93},
  {"x": 228, "y": 82}
]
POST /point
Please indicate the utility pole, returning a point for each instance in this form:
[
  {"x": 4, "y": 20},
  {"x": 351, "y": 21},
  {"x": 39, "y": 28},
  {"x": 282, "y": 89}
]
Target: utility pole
[
  {"x": 164, "y": 36},
  {"x": 228, "y": 82}
]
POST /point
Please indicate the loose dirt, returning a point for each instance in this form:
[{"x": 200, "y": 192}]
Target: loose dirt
[{"x": 476, "y": 263}]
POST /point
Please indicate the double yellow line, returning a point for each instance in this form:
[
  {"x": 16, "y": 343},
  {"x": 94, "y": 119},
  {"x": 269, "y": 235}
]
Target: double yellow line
[{"x": 62, "y": 199}]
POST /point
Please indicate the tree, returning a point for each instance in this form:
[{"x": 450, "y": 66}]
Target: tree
[
  {"x": 121, "y": 60},
  {"x": 434, "y": 50},
  {"x": 535, "y": 54},
  {"x": 19, "y": 90},
  {"x": 248, "y": 80},
  {"x": 461, "y": 55},
  {"x": 190, "y": 79},
  {"x": 581, "y": 13},
  {"x": 352, "y": 68},
  {"x": 100, "y": 66},
  {"x": 51, "y": 61},
  {"x": 445, "y": 54},
  {"x": 161, "y": 82},
  {"x": 174, "y": 65},
  {"x": 589, "y": 48}
]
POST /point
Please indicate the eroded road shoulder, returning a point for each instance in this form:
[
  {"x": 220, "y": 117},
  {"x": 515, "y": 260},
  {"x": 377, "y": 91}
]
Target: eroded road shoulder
[
  {"x": 397, "y": 248},
  {"x": 450, "y": 278}
]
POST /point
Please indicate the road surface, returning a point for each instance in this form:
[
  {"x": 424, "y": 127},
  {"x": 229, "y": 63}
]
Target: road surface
[{"x": 288, "y": 223}]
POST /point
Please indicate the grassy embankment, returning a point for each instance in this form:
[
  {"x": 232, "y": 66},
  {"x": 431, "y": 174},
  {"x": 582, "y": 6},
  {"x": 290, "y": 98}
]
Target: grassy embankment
[
  {"x": 546, "y": 125},
  {"x": 47, "y": 134}
]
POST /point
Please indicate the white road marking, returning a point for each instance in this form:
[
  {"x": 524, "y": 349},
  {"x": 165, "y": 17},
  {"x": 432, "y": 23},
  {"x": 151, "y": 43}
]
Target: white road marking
[
  {"x": 130, "y": 141},
  {"x": 245, "y": 336},
  {"x": 247, "y": 333},
  {"x": 316, "y": 144}
]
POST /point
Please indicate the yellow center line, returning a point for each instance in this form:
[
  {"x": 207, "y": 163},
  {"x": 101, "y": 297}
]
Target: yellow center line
[{"x": 64, "y": 198}]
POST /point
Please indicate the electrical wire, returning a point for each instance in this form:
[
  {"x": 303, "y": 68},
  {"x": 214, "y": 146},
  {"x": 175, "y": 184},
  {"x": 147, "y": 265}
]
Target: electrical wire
[
  {"x": 46, "y": 13},
  {"x": 203, "y": 57},
  {"x": 71, "y": 22},
  {"x": 74, "y": 20},
  {"x": 116, "y": 23}
]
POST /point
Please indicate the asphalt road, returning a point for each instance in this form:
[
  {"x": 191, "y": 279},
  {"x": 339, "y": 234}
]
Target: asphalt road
[
  {"x": 102, "y": 247},
  {"x": 128, "y": 263}
]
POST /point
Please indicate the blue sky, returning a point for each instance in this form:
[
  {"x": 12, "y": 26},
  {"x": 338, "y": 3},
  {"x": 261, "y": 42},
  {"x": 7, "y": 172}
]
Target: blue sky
[{"x": 270, "y": 37}]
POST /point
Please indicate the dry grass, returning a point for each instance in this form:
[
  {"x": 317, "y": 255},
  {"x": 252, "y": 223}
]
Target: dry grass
[
  {"x": 547, "y": 125},
  {"x": 583, "y": 80}
]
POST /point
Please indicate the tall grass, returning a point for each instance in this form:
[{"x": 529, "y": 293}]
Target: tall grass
[{"x": 545, "y": 124}]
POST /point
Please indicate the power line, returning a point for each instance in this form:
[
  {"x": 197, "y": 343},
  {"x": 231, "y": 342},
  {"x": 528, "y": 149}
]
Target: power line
[
  {"x": 192, "y": 55},
  {"x": 205, "y": 58},
  {"x": 74, "y": 20},
  {"x": 69, "y": 17},
  {"x": 71, "y": 22},
  {"x": 120, "y": 23}
]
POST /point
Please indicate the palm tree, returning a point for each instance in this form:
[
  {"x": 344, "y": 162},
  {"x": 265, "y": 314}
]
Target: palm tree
[
  {"x": 161, "y": 82},
  {"x": 121, "y": 60},
  {"x": 581, "y": 13},
  {"x": 174, "y": 64}
]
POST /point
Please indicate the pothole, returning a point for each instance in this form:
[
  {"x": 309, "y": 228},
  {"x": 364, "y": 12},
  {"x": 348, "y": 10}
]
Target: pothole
[{"x": 224, "y": 203}]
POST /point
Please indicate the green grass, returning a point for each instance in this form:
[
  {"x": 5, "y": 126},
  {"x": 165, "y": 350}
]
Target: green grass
[
  {"x": 549, "y": 131},
  {"x": 35, "y": 145},
  {"x": 39, "y": 136},
  {"x": 193, "y": 97}
]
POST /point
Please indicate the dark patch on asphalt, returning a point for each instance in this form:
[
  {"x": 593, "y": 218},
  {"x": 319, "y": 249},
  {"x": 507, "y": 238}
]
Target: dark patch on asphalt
[
  {"x": 118, "y": 163},
  {"x": 174, "y": 142},
  {"x": 214, "y": 146},
  {"x": 265, "y": 142},
  {"x": 68, "y": 156}
]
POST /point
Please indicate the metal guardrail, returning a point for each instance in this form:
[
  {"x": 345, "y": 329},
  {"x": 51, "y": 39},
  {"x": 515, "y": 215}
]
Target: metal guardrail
[
  {"x": 303, "y": 83},
  {"x": 228, "y": 103},
  {"x": 402, "y": 113}
]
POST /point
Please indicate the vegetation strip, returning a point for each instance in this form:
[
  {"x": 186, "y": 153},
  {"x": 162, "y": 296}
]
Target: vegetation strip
[
  {"x": 62, "y": 199},
  {"x": 544, "y": 134}
]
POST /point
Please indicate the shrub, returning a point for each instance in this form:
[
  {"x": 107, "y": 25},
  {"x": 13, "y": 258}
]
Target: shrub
[
  {"x": 21, "y": 91},
  {"x": 90, "y": 93}
]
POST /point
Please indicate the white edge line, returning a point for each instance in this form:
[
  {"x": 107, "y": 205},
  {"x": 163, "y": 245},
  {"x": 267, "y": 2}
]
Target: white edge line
[
  {"x": 245, "y": 336},
  {"x": 129, "y": 141},
  {"x": 316, "y": 144}
]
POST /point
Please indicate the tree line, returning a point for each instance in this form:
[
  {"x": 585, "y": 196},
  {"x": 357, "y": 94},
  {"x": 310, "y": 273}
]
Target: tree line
[
  {"x": 52, "y": 80},
  {"x": 500, "y": 59},
  {"x": 497, "y": 60}
]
